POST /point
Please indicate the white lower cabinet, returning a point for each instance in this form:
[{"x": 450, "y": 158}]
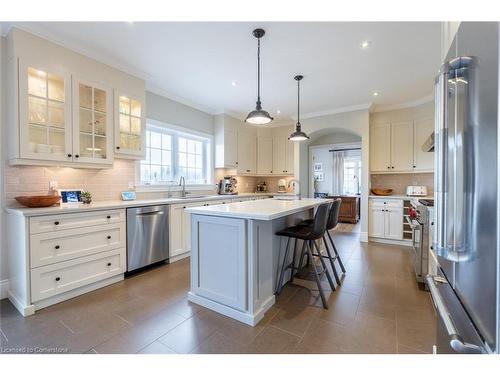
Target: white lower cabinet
[
  {"x": 56, "y": 257},
  {"x": 386, "y": 218}
]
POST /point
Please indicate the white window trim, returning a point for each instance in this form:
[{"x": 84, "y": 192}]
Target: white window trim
[{"x": 141, "y": 188}]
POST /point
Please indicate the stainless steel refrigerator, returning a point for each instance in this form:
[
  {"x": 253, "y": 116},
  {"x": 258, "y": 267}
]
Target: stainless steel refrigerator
[{"x": 466, "y": 234}]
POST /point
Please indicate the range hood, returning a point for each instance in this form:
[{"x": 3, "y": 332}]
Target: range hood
[{"x": 428, "y": 145}]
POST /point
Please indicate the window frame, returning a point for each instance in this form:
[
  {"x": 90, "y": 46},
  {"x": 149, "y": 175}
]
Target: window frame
[{"x": 175, "y": 132}]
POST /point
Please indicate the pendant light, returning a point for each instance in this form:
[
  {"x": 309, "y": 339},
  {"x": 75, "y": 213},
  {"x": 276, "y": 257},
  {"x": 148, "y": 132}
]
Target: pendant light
[
  {"x": 258, "y": 116},
  {"x": 298, "y": 134}
]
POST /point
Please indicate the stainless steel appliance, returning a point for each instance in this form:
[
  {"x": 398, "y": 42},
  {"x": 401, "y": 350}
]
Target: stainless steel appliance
[
  {"x": 227, "y": 186},
  {"x": 466, "y": 289},
  {"x": 147, "y": 236},
  {"x": 420, "y": 224}
]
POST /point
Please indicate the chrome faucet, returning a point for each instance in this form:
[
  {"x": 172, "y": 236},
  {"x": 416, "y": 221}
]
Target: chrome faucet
[
  {"x": 292, "y": 183},
  {"x": 182, "y": 182}
]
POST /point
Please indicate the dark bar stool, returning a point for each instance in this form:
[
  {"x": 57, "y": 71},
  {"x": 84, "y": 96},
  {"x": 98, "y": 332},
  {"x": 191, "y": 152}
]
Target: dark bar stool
[
  {"x": 333, "y": 219},
  {"x": 309, "y": 234}
]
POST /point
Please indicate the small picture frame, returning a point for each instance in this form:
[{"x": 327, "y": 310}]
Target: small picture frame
[
  {"x": 128, "y": 195},
  {"x": 319, "y": 176},
  {"x": 70, "y": 196},
  {"x": 318, "y": 167}
]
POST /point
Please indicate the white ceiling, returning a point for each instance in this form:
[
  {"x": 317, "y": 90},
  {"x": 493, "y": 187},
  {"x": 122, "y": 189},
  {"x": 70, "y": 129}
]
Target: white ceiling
[{"x": 195, "y": 63}]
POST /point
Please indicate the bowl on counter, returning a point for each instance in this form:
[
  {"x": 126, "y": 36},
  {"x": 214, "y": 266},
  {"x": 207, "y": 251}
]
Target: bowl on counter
[
  {"x": 383, "y": 192},
  {"x": 34, "y": 201}
]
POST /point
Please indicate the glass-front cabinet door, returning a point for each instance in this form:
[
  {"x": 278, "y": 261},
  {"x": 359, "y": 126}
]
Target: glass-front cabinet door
[
  {"x": 44, "y": 113},
  {"x": 92, "y": 123},
  {"x": 129, "y": 127}
]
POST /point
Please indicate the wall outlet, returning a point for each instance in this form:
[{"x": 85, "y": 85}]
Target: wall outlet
[
  {"x": 131, "y": 185},
  {"x": 53, "y": 185}
]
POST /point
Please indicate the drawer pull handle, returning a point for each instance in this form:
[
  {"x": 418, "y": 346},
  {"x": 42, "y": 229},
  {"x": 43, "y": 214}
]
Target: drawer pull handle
[
  {"x": 58, "y": 278},
  {"x": 109, "y": 264},
  {"x": 56, "y": 223},
  {"x": 109, "y": 237},
  {"x": 57, "y": 247},
  {"x": 108, "y": 217}
]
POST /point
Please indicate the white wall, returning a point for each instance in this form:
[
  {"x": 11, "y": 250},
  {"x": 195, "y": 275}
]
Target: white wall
[
  {"x": 168, "y": 111},
  {"x": 419, "y": 112},
  {"x": 356, "y": 122},
  {"x": 3, "y": 252}
]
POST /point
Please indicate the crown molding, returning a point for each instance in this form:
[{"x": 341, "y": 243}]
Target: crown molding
[
  {"x": 162, "y": 92},
  {"x": 5, "y": 28},
  {"x": 409, "y": 104},
  {"x": 334, "y": 111}
]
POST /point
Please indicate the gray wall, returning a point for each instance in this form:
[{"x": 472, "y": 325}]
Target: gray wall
[{"x": 170, "y": 112}]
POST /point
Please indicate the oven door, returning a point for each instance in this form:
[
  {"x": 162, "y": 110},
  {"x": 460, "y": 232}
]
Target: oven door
[{"x": 417, "y": 249}]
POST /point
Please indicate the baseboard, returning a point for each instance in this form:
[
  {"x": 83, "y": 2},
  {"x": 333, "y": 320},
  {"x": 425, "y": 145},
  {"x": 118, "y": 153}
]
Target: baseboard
[
  {"x": 4, "y": 288},
  {"x": 363, "y": 236},
  {"x": 392, "y": 242}
]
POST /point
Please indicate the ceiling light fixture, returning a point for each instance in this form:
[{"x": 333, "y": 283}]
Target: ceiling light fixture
[
  {"x": 298, "y": 134},
  {"x": 233, "y": 83},
  {"x": 278, "y": 111},
  {"x": 376, "y": 93},
  {"x": 365, "y": 44},
  {"x": 258, "y": 116}
]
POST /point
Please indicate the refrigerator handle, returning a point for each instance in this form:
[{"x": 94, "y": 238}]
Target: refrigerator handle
[
  {"x": 440, "y": 166},
  {"x": 456, "y": 341}
]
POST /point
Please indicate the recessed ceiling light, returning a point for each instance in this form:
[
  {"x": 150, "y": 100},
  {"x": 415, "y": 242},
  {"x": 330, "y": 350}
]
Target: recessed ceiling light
[
  {"x": 376, "y": 93},
  {"x": 233, "y": 83},
  {"x": 278, "y": 111},
  {"x": 365, "y": 44}
]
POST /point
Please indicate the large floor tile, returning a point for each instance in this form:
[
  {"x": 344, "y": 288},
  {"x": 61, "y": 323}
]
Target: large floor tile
[{"x": 273, "y": 341}]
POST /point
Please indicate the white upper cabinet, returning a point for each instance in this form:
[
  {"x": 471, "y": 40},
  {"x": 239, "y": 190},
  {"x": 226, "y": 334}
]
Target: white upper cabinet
[
  {"x": 397, "y": 147},
  {"x": 289, "y": 153},
  {"x": 92, "y": 122},
  {"x": 380, "y": 151},
  {"x": 402, "y": 146},
  {"x": 130, "y": 126},
  {"x": 265, "y": 156},
  {"x": 230, "y": 157},
  {"x": 279, "y": 155},
  {"x": 424, "y": 161},
  {"x": 44, "y": 113},
  {"x": 247, "y": 153}
]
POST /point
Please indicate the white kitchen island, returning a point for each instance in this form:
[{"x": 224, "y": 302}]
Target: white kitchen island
[{"x": 235, "y": 254}]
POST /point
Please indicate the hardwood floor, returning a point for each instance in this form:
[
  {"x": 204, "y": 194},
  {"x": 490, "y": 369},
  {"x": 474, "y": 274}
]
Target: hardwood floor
[{"x": 377, "y": 309}]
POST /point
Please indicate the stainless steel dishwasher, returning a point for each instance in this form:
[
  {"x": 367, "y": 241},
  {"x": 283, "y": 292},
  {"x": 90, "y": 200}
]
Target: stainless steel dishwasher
[{"x": 147, "y": 236}]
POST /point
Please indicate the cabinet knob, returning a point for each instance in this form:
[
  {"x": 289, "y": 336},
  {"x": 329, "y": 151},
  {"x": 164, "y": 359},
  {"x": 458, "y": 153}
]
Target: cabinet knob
[
  {"x": 58, "y": 278},
  {"x": 183, "y": 206},
  {"x": 392, "y": 167},
  {"x": 432, "y": 223},
  {"x": 57, "y": 247},
  {"x": 248, "y": 170},
  {"x": 388, "y": 167},
  {"x": 56, "y": 223},
  {"x": 109, "y": 237},
  {"x": 109, "y": 264},
  {"x": 117, "y": 147},
  {"x": 69, "y": 155},
  {"x": 77, "y": 156},
  {"x": 236, "y": 163},
  {"x": 414, "y": 166},
  {"x": 108, "y": 217}
]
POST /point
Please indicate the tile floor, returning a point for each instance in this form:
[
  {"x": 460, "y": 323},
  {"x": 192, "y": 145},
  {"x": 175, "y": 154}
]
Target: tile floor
[{"x": 378, "y": 309}]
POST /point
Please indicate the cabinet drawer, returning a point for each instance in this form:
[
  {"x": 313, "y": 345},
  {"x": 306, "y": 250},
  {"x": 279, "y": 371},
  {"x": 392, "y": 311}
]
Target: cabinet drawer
[
  {"x": 48, "y": 248},
  {"x": 377, "y": 202},
  {"x": 54, "y": 223},
  {"x": 54, "y": 279}
]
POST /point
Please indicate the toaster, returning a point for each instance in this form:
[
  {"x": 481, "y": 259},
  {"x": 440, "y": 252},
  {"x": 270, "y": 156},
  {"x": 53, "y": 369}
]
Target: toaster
[{"x": 416, "y": 190}]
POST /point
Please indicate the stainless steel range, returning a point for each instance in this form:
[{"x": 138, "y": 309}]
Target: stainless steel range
[{"x": 420, "y": 225}]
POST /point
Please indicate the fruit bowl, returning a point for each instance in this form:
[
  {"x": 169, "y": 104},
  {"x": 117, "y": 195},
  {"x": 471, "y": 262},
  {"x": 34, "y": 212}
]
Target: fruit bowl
[
  {"x": 378, "y": 191},
  {"x": 33, "y": 201}
]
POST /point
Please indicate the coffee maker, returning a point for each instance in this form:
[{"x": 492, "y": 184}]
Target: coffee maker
[{"x": 227, "y": 186}]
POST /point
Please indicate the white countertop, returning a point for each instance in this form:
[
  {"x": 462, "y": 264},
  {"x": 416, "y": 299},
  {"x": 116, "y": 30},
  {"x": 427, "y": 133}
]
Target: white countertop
[
  {"x": 266, "y": 209},
  {"x": 399, "y": 197},
  {"x": 108, "y": 205}
]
